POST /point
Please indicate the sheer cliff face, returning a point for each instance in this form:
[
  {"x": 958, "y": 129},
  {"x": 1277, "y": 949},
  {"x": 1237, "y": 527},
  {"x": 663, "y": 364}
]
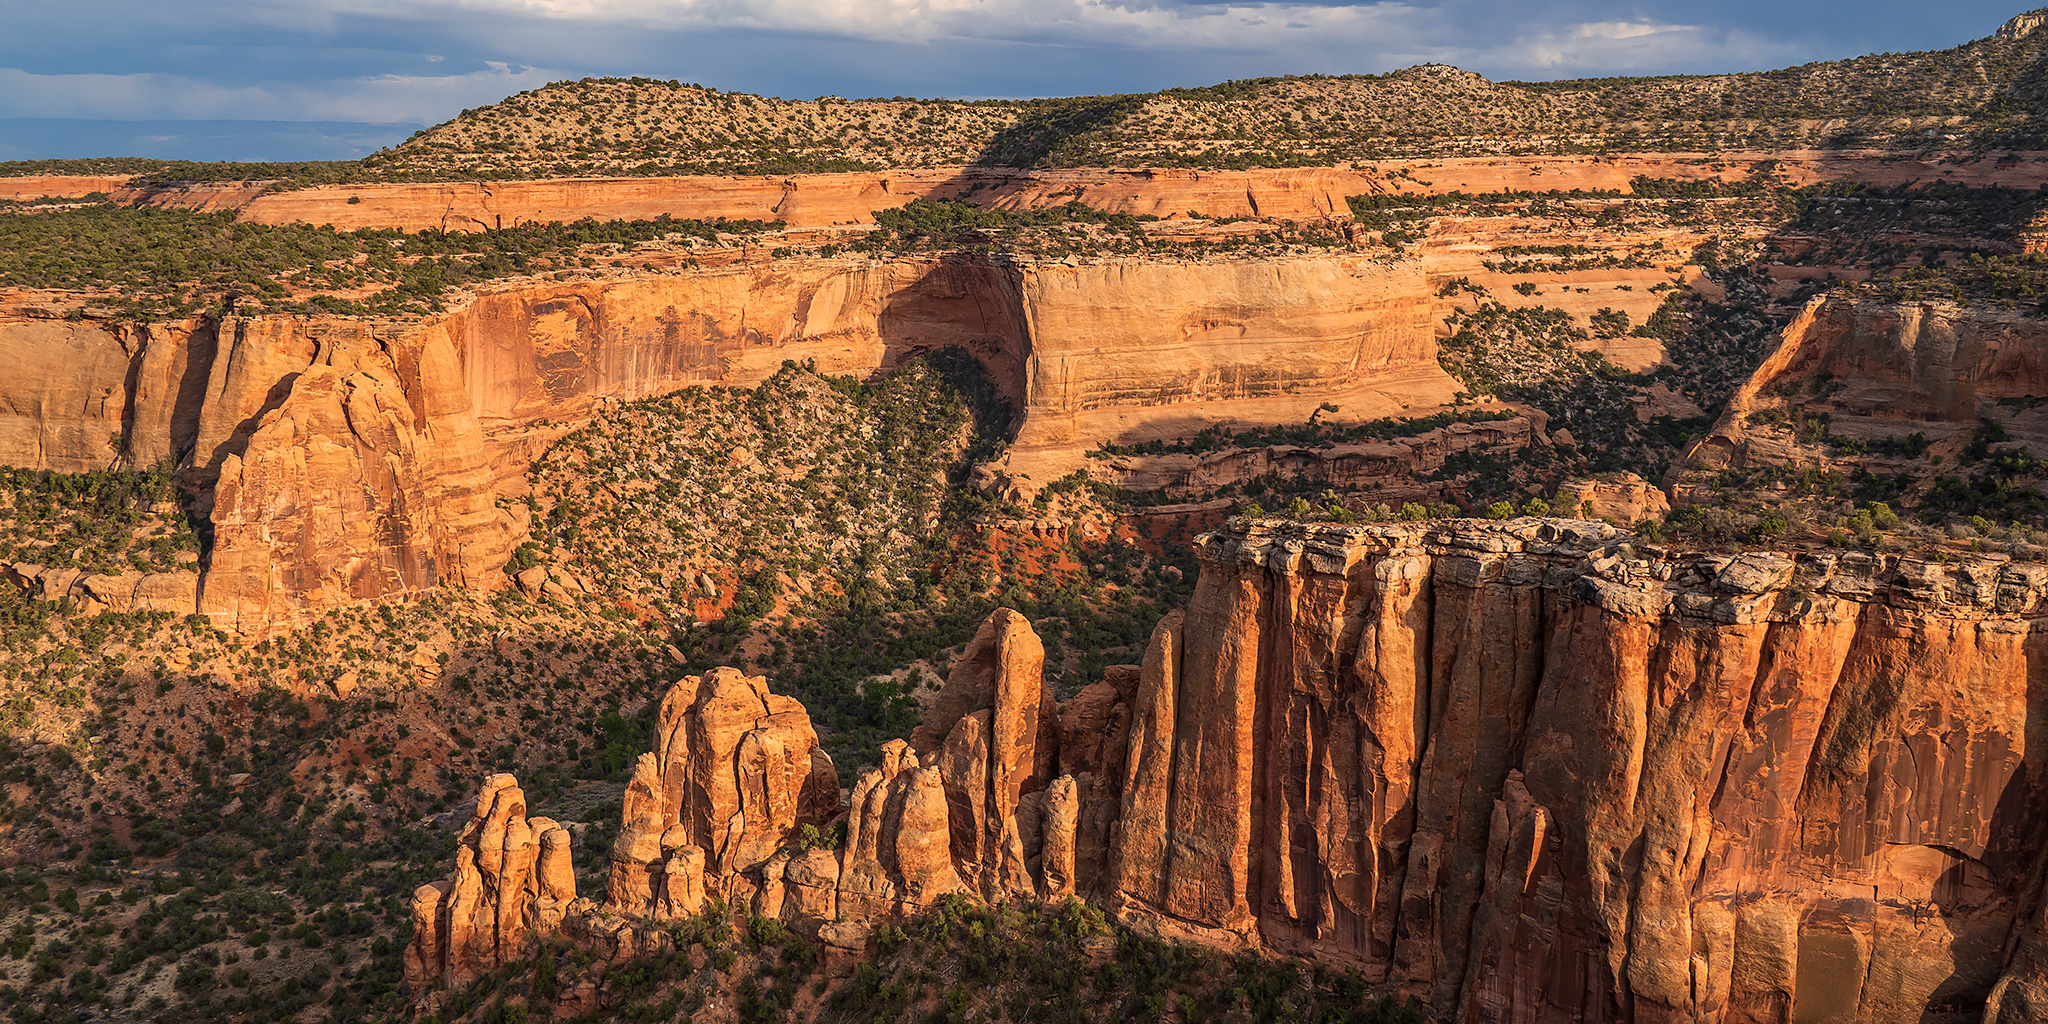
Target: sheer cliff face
[
  {"x": 347, "y": 461},
  {"x": 1155, "y": 349},
  {"x": 1527, "y": 771},
  {"x": 362, "y": 476},
  {"x": 1530, "y": 776}
]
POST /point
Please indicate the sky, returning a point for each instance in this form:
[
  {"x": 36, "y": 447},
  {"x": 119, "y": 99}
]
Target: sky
[{"x": 332, "y": 79}]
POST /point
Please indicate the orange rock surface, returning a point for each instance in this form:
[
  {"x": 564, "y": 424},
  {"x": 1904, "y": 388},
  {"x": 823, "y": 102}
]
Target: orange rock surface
[
  {"x": 368, "y": 480},
  {"x": 735, "y": 771},
  {"x": 1878, "y": 371},
  {"x": 1625, "y": 498},
  {"x": 1526, "y": 770},
  {"x": 513, "y": 880}
]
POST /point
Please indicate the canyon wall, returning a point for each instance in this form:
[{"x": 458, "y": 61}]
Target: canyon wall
[
  {"x": 1880, "y": 371},
  {"x": 815, "y": 200},
  {"x": 1527, "y": 771},
  {"x": 344, "y": 460},
  {"x": 1531, "y": 773},
  {"x": 1134, "y": 351}
]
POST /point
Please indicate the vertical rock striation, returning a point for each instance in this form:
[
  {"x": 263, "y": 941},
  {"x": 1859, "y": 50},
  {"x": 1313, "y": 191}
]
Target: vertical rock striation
[
  {"x": 513, "y": 880},
  {"x": 1527, "y": 771},
  {"x": 735, "y": 771},
  {"x": 1533, "y": 772}
]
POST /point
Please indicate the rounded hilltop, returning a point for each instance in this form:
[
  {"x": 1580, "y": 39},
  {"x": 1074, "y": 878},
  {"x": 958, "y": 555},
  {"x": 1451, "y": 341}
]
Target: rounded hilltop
[{"x": 607, "y": 126}]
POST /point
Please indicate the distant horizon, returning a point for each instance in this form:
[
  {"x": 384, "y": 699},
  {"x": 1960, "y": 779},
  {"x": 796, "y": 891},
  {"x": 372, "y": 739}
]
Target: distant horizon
[
  {"x": 239, "y": 141},
  {"x": 338, "y": 79}
]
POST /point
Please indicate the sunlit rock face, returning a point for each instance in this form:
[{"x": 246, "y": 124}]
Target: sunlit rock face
[{"x": 1524, "y": 770}]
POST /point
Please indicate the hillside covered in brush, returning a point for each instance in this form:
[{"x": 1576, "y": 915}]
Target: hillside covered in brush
[{"x": 1983, "y": 94}]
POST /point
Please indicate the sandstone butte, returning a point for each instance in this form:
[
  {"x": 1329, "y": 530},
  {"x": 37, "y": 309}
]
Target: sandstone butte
[{"x": 1531, "y": 770}]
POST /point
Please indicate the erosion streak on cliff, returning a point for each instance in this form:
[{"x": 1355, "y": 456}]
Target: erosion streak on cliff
[{"x": 1759, "y": 788}]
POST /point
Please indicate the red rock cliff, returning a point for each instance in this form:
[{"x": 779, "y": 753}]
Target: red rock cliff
[
  {"x": 1527, "y": 771},
  {"x": 348, "y": 460},
  {"x": 1531, "y": 773},
  {"x": 1880, "y": 370}
]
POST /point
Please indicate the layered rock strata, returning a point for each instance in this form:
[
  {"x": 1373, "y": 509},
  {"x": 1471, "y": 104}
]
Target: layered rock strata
[
  {"x": 513, "y": 881},
  {"x": 342, "y": 461}
]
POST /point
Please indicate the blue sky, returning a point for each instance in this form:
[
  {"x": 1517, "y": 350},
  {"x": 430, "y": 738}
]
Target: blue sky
[{"x": 98, "y": 77}]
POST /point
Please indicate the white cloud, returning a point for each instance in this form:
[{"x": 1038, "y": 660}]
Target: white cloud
[
  {"x": 1097, "y": 23},
  {"x": 1626, "y": 29},
  {"x": 381, "y": 98},
  {"x": 1630, "y": 47}
]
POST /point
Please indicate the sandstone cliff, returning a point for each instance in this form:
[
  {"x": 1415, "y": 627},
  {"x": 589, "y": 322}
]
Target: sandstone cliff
[
  {"x": 1879, "y": 372},
  {"x": 1531, "y": 773},
  {"x": 363, "y": 477},
  {"x": 342, "y": 460},
  {"x": 1527, "y": 771},
  {"x": 1133, "y": 351}
]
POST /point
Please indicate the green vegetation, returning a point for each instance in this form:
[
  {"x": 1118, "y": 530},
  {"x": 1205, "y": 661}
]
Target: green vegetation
[
  {"x": 1312, "y": 434},
  {"x": 1533, "y": 355},
  {"x": 107, "y": 521},
  {"x": 955, "y": 962},
  {"x": 144, "y": 171},
  {"x": 157, "y": 262},
  {"x": 1070, "y": 229},
  {"x": 950, "y": 223},
  {"x": 1065, "y": 963},
  {"x": 828, "y": 520},
  {"x": 644, "y": 126}
]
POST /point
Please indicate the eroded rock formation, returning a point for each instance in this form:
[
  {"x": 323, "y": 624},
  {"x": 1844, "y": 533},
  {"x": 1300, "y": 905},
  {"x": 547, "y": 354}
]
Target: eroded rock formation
[
  {"x": 1877, "y": 373},
  {"x": 513, "y": 880},
  {"x": 735, "y": 771},
  {"x": 367, "y": 481},
  {"x": 1530, "y": 770},
  {"x": 1623, "y": 498},
  {"x": 1535, "y": 772}
]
